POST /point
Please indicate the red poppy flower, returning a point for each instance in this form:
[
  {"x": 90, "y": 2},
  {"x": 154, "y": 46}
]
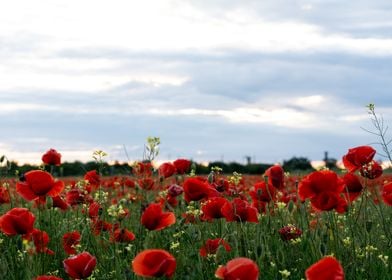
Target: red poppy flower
[
  {"x": 318, "y": 182},
  {"x": 275, "y": 176},
  {"x": 238, "y": 269},
  {"x": 38, "y": 183},
  {"x": 372, "y": 170},
  {"x": 353, "y": 186},
  {"x": 41, "y": 241},
  {"x": 70, "y": 240},
  {"x": 17, "y": 221},
  {"x": 58, "y": 202},
  {"x": 211, "y": 247},
  {"x": 51, "y": 157},
  {"x": 80, "y": 266},
  {"x": 166, "y": 169},
  {"x": 175, "y": 190},
  {"x": 328, "y": 268},
  {"x": 289, "y": 232},
  {"x": 239, "y": 210},
  {"x": 47, "y": 277},
  {"x": 4, "y": 195},
  {"x": 196, "y": 189},
  {"x": 146, "y": 183},
  {"x": 94, "y": 210},
  {"x": 182, "y": 165},
  {"x": 387, "y": 193},
  {"x": 357, "y": 157},
  {"x": 260, "y": 192},
  {"x": 212, "y": 209},
  {"x": 75, "y": 197},
  {"x": 93, "y": 178},
  {"x": 153, "y": 218},
  {"x": 122, "y": 236},
  {"x": 142, "y": 169},
  {"x": 154, "y": 263},
  {"x": 98, "y": 226}
]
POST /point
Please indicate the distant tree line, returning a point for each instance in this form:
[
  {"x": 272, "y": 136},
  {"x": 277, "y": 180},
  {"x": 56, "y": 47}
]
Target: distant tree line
[{"x": 78, "y": 168}]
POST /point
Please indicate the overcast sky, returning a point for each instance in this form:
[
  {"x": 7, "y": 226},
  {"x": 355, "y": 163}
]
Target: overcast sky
[{"x": 214, "y": 79}]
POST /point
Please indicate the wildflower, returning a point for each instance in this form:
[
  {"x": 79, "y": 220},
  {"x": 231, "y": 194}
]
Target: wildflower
[
  {"x": 196, "y": 189},
  {"x": 387, "y": 193},
  {"x": 80, "y": 266},
  {"x": 182, "y": 165},
  {"x": 47, "y": 277},
  {"x": 70, "y": 241},
  {"x": 17, "y": 221},
  {"x": 93, "y": 178},
  {"x": 153, "y": 218},
  {"x": 212, "y": 208},
  {"x": 239, "y": 210},
  {"x": 211, "y": 246},
  {"x": 325, "y": 269},
  {"x": 166, "y": 169},
  {"x": 51, "y": 157},
  {"x": 358, "y": 157},
  {"x": 38, "y": 183},
  {"x": 275, "y": 176},
  {"x": 290, "y": 232},
  {"x": 239, "y": 269},
  {"x": 353, "y": 186},
  {"x": 154, "y": 263},
  {"x": 122, "y": 236}
]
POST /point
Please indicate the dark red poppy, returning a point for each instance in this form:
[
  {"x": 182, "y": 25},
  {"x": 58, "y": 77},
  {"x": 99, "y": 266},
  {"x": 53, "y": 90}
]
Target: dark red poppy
[
  {"x": 318, "y": 182},
  {"x": 260, "y": 192},
  {"x": 41, "y": 241},
  {"x": 239, "y": 210},
  {"x": 212, "y": 208},
  {"x": 47, "y": 277},
  {"x": 353, "y": 186},
  {"x": 196, "y": 189},
  {"x": 4, "y": 195},
  {"x": 99, "y": 226},
  {"x": 328, "y": 268},
  {"x": 94, "y": 210},
  {"x": 146, "y": 183},
  {"x": 166, "y": 169},
  {"x": 51, "y": 157},
  {"x": 387, "y": 193},
  {"x": 211, "y": 246},
  {"x": 122, "y": 236},
  {"x": 93, "y": 178},
  {"x": 153, "y": 218},
  {"x": 17, "y": 221},
  {"x": 238, "y": 269},
  {"x": 182, "y": 165},
  {"x": 142, "y": 169},
  {"x": 58, "y": 202},
  {"x": 289, "y": 232},
  {"x": 38, "y": 183},
  {"x": 372, "y": 170},
  {"x": 275, "y": 176},
  {"x": 70, "y": 241},
  {"x": 154, "y": 263},
  {"x": 80, "y": 266},
  {"x": 357, "y": 157},
  {"x": 175, "y": 190},
  {"x": 75, "y": 197}
]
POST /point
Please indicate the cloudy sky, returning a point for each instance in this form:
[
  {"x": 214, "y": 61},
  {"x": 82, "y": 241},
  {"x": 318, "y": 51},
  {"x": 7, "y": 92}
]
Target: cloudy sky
[{"x": 214, "y": 79}]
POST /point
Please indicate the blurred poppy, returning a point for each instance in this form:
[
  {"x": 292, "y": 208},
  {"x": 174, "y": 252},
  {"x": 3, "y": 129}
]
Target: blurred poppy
[
  {"x": 47, "y": 277},
  {"x": 154, "y": 263},
  {"x": 357, "y": 157},
  {"x": 262, "y": 192},
  {"x": 372, "y": 170},
  {"x": 93, "y": 178},
  {"x": 17, "y": 221},
  {"x": 211, "y": 246},
  {"x": 122, "y": 236},
  {"x": 196, "y": 189},
  {"x": 51, "y": 157},
  {"x": 38, "y": 183},
  {"x": 387, "y": 193},
  {"x": 153, "y": 218},
  {"x": 353, "y": 186},
  {"x": 275, "y": 176},
  {"x": 239, "y": 210},
  {"x": 289, "y": 232},
  {"x": 328, "y": 268},
  {"x": 182, "y": 165},
  {"x": 80, "y": 266},
  {"x": 238, "y": 269},
  {"x": 41, "y": 241},
  {"x": 212, "y": 208},
  {"x": 4, "y": 195},
  {"x": 70, "y": 241},
  {"x": 166, "y": 169}
]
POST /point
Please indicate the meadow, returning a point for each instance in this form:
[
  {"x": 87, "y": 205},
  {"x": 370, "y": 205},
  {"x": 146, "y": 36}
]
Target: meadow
[{"x": 169, "y": 222}]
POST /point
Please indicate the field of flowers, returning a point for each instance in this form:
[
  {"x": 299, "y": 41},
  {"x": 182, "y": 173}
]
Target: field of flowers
[{"x": 169, "y": 222}]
